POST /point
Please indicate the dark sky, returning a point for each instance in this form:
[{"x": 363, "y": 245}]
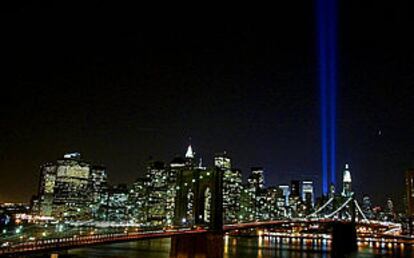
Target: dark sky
[{"x": 122, "y": 83}]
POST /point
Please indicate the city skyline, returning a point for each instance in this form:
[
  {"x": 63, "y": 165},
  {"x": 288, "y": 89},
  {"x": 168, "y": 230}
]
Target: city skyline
[
  {"x": 313, "y": 180},
  {"x": 186, "y": 192},
  {"x": 316, "y": 178},
  {"x": 75, "y": 205},
  {"x": 201, "y": 131},
  {"x": 119, "y": 92}
]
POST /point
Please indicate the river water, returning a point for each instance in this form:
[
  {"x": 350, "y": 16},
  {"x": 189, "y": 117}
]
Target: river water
[{"x": 255, "y": 247}]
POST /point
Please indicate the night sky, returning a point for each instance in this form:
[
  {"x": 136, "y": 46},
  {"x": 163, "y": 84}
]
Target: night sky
[{"x": 122, "y": 83}]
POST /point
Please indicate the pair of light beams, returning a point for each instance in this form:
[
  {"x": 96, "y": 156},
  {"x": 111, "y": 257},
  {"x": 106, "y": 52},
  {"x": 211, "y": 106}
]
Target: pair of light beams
[{"x": 326, "y": 15}]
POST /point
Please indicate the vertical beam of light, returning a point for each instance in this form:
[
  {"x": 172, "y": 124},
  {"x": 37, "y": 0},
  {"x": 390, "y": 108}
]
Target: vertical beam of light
[
  {"x": 331, "y": 23},
  {"x": 326, "y": 12},
  {"x": 321, "y": 23}
]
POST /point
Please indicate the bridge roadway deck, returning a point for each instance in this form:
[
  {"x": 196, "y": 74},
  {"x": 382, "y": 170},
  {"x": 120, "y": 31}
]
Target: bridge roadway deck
[
  {"x": 51, "y": 244},
  {"x": 46, "y": 245}
]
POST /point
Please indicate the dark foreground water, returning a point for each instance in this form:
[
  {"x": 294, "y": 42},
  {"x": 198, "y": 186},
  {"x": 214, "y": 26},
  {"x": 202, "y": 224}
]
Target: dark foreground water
[{"x": 257, "y": 247}]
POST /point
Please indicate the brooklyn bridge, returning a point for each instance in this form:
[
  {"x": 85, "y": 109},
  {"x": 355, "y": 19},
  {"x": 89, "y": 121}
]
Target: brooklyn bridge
[{"x": 340, "y": 222}]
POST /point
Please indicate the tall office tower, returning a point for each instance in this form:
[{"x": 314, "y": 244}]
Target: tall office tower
[
  {"x": 308, "y": 196},
  {"x": 222, "y": 160},
  {"x": 367, "y": 206},
  {"x": 261, "y": 211},
  {"x": 232, "y": 183},
  {"x": 72, "y": 188},
  {"x": 285, "y": 196},
  {"x": 286, "y": 193},
  {"x": 117, "y": 204},
  {"x": 256, "y": 185},
  {"x": 189, "y": 157},
  {"x": 176, "y": 165},
  {"x": 98, "y": 189},
  {"x": 295, "y": 188},
  {"x": 347, "y": 182},
  {"x": 281, "y": 202},
  {"x": 46, "y": 189},
  {"x": 232, "y": 180},
  {"x": 247, "y": 204},
  {"x": 256, "y": 178},
  {"x": 137, "y": 201},
  {"x": 157, "y": 176},
  {"x": 409, "y": 189},
  {"x": 272, "y": 197},
  {"x": 294, "y": 198}
]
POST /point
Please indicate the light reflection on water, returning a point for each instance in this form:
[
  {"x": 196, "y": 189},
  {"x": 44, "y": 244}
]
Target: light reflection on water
[
  {"x": 255, "y": 247},
  {"x": 264, "y": 247}
]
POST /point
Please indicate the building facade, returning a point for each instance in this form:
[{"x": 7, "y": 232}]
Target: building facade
[
  {"x": 409, "y": 190},
  {"x": 308, "y": 194},
  {"x": 232, "y": 187},
  {"x": 70, "y": 188},
  {"x": 347, "y": 182},
  {"x": 157, "y": 186}
]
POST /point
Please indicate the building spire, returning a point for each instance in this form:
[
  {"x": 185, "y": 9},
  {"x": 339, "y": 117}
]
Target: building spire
[
  {"x": 346, "y": 182},
  {"x": 189, "y": 154},
  {"x": 347, "y": 175}
]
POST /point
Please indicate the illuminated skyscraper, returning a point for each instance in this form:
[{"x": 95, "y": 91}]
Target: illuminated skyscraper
[
  {"x": 222, "y": 161},
  {"x": 347, "y": 182},
  {"x": 72, "y": 188},
  {"x": 232, "y": 187},
  {"x": 157, "y": 179},
  {"x": 232, "y": 183},
  {"x": 294, "y": 197},
  {"x": 98, "y": 188},
  {"x": 295, "y": 188},
  {"x": 176, "y": 165},
  {"x": 286, "y": 193},
  {"x": 256, "y": 187},
  {"x": 138, "y": 201},
  {"x": 409, "y": 189},
  {"x": 46, "y": 189},
  {"x": 189, "y": 157},
  {"x": 117, "y": 204},
  {"x": 247, "y": 204},
  {"x": 256, "y": 178},
  {"x": 272, "y": 197},
  {"x": 308, "y": 196}
]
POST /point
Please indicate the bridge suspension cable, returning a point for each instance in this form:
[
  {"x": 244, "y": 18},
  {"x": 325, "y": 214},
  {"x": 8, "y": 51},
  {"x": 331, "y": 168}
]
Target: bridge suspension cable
[
  {"x": 360, "y": 211},
  {"x": 321, "y": 208},
  {"x": 340, "y": 208}
]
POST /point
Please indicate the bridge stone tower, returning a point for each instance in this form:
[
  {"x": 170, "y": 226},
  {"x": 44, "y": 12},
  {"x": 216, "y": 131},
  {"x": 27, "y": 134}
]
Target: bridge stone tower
[{"x": 199, "y": 198}]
